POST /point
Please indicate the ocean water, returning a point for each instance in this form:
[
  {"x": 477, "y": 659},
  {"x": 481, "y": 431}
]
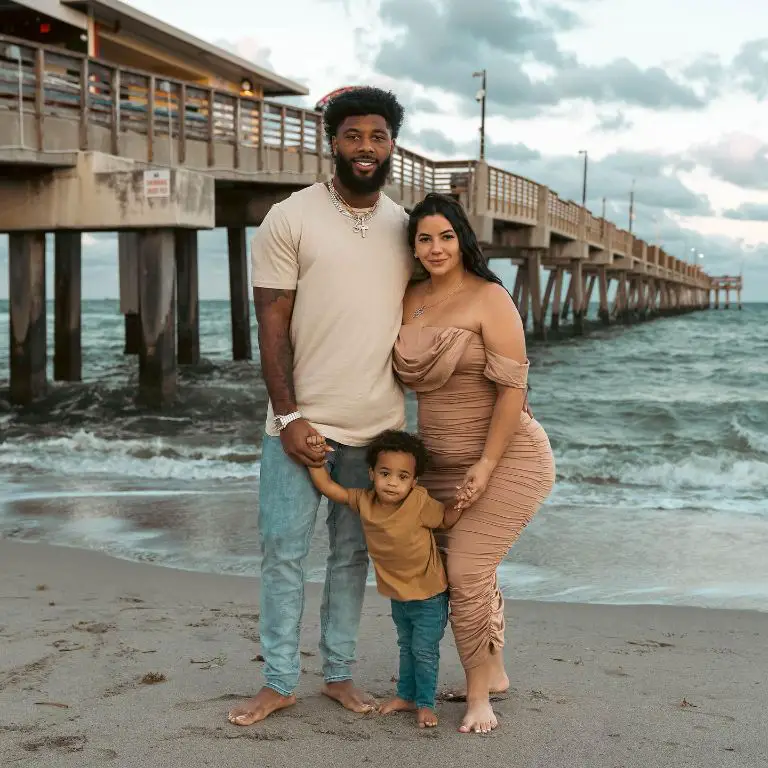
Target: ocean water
[{"x": 660, "y": 433}]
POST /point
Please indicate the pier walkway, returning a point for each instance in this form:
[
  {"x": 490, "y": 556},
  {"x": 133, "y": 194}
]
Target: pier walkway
[{"x": 86, "y": 145}]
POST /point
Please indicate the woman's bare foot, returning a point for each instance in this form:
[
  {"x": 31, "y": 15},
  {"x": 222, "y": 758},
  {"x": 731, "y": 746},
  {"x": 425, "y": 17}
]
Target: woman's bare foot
[
  {"x": 479, "y": 718},
  {"x": 498, "y": 681},
  {"x": 397, "y": 705},
  {"x": 349, "y": 697},
  {"x": 260, "y": 707},
  {"x": 497, "y": 691},
  {"x": 426, "y": 717}
]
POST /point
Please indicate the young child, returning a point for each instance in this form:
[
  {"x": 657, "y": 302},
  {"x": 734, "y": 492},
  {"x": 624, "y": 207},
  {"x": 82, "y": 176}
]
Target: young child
[{"x": 398, "y": 518}]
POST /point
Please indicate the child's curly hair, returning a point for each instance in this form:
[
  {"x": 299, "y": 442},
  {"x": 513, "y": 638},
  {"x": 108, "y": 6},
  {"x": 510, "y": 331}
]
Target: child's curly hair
[{"x": 397, "y": 441}]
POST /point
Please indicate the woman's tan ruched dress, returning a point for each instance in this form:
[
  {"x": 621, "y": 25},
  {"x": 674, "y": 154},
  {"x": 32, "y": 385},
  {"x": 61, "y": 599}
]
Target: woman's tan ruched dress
[{"x": 455, "y": 378}]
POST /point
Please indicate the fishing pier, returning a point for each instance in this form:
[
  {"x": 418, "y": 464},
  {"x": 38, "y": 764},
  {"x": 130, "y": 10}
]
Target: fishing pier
[{"x": 113, "y": 121}]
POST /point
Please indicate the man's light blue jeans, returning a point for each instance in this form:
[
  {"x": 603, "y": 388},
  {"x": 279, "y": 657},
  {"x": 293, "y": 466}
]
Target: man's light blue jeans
[{"x": 288, "y": 505}]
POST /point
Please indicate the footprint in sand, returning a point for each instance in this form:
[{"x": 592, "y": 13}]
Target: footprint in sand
[
  {"x": 36, "y": 671},
  {"x": 193, "y": 706},
  {"x": 618, "y": 672},
  {"x": 253, "y": 734},
  {"x": 74, "y": 743},
  {"x": 345, "y": 735}
]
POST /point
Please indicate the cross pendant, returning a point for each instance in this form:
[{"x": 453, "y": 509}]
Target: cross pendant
[
  {"x": 418, "y": 313},
  {"x": 361, "y": 228}
]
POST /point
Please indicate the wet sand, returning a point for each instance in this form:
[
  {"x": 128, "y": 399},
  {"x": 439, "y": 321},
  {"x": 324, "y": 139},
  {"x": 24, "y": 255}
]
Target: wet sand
[{"x": 83, "y": 636}]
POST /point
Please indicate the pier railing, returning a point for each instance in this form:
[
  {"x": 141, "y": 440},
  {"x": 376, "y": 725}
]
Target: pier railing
[{"x": 66, "y": 101}]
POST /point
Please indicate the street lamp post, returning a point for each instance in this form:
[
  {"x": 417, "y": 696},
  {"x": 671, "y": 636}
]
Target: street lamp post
[
  {"x": 631, "y": 205},
  {"x": 584, "y": 181},
  {"x": 481, "y": 98}
]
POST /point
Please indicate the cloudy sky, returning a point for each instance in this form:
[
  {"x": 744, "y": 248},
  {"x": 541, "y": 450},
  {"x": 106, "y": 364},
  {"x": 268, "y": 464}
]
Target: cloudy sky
[{"x": 668, "y": 94}]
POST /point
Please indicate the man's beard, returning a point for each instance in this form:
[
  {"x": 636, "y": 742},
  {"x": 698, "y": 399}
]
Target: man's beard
[{"x": 357, "y": 184}]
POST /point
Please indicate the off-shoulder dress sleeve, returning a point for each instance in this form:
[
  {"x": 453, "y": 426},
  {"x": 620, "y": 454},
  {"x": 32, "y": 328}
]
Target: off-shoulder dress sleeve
[{"x": 505, "y": 371}]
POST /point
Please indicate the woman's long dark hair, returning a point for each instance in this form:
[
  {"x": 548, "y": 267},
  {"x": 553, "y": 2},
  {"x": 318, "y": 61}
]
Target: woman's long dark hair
[{"x": 436, "y": 204}]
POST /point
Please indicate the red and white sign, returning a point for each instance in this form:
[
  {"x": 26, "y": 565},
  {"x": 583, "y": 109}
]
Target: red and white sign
[
  {"x": 157, "y": 184},
  {"x": 321, "y": 104}
]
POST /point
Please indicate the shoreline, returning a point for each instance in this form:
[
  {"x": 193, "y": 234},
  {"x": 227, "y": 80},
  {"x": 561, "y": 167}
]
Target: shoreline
[
  {"x": 371, "y": 587},
  {"x": 592, "y": 685}
]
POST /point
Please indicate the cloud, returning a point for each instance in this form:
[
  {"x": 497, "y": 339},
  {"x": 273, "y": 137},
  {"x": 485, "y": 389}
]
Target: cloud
[
  {"x": 750, "y": 67},
  {"x": 528, "y": 70},
  {"x": 613, "y": 123},
  {"x": 748, "y": 212},
  {"x": 437, "y": 142},
  {"x": 737, "y": 158},
  {"x": 248, "y": 48}
]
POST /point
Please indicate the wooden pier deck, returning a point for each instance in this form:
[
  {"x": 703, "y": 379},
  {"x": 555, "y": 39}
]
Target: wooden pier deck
[{"x": 68, "y": 120}]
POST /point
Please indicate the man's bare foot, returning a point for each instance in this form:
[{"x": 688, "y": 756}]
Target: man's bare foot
[
  {"x": 397, "y": 705},
  {"x": 479, "y": 718},
  {"x": 349, "y": 697},
  {"x": 426, "y": 717},
  {"x": 260, "y": 707}
]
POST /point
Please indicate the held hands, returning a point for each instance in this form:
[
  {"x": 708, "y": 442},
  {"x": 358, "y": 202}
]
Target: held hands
[
  {"x": 304, "y": 444},
  {"x": 474, "y": 483}
]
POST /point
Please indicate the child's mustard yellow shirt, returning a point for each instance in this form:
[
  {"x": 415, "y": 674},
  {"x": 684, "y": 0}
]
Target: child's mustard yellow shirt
[{"x": 401, "y": 543}]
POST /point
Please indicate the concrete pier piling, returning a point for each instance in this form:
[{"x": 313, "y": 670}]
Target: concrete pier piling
[
  {"x": 188, "y": 298},
  {"x": 128, "y": 258},
  {"x": 67, "y": 356},
  {"x": 28, "y": 354},
  {"x": 239, "y": 299},
  {"x": 157, "y": 304}
]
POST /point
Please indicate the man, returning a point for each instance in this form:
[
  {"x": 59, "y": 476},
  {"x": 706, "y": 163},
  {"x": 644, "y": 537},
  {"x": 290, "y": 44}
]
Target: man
[{"x": 329, "y": 269}]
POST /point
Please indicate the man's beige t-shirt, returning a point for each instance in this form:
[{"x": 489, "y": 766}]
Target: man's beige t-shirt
[
  {"x": 347, "y": 311},
  {"x": 401, "y": 543}
]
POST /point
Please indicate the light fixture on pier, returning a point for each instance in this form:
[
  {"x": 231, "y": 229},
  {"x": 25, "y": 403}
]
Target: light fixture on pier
[
  {"x": 246, "y": 87},
  {"x": 584, "y": 180},
  {"x": 481, "y": 95}
]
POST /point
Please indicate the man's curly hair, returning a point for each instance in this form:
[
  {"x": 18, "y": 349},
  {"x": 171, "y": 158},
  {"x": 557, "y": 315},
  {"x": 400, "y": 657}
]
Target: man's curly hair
[
  {"x": 395, "y": 441},
  {"x": 365, "y": 100}
]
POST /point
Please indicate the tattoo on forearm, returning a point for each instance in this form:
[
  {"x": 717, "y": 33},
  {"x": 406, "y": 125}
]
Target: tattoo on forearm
[{"x": 273, "y": 312}]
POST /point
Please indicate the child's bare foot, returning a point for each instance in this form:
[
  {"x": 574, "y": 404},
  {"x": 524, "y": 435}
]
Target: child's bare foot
[
  {"x": 397, "y": 705},
  {"x": 479, "y": 718},
  {"x": 426, "y": 718}
]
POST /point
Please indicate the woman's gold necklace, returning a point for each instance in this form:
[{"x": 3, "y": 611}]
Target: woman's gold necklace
[{"x": 424, "y": 307}]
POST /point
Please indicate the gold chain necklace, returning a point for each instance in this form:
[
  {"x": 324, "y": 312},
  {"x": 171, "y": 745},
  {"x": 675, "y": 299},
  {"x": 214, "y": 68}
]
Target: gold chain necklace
[
  {"x": 424, "y": 307},
  {"x": 343, "y": 207}
]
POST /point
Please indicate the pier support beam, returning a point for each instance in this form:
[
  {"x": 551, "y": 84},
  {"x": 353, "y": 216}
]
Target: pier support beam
[
  {"x": 26, "y": 283},
  {"x": 558, "y": 289},
  {"x": 188, "y": 321},
  {"x": 577, "y": 296},
  {"x": 157, "y": 305},
  {"x": 238, "y": 293},
  {"x": 67, "y": 355},
  {"x": 534, "y": 290},
  {"x": 128, "y": 255},
  {"x": 603, "y": 312}
]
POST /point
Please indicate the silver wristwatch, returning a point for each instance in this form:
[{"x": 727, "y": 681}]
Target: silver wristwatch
[{"x": 281, "y": 422}]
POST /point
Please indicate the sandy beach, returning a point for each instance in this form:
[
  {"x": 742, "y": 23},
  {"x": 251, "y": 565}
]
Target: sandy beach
[{"x": 84, "y": 636}]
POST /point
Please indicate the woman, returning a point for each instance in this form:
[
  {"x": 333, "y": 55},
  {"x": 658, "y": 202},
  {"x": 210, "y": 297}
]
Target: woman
[{"x": 462, "y": 349}]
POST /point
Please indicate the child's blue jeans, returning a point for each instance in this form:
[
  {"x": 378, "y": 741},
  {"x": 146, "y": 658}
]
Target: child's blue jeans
[{"x": 420, "y": 628}]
